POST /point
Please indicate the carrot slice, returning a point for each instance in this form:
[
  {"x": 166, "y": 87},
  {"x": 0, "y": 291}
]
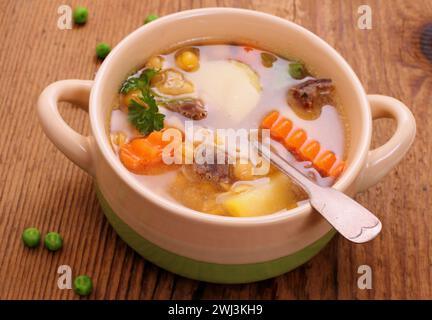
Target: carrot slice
[
  {"x": 138, "y": 154},
  {"x": 338, "y": 169},
  {"x": 129, "y": 159},
  {"x": 294, "y": 141},
  {"x": 155, "y": 138},
  {"x": 325, "y": 162},
  {"x": 145, "y": 149},
  {"x": 144, "y": 155},
  {"x": 270, "y": 120},
  {"x": 310, "y": 150},
  {"x": 281, "y": 129}
]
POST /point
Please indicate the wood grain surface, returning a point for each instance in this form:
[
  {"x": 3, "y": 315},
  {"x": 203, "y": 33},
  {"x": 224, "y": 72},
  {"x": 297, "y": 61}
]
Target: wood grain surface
[{"x": 40, "y": 187}]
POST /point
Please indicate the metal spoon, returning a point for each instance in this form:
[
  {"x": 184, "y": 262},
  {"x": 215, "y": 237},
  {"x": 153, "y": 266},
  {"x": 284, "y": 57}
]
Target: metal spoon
[{"x": 349, "y": 218}]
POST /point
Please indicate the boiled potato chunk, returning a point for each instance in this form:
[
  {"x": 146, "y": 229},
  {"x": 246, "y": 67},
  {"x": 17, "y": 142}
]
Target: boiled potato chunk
[{"x": 278, "y": 194}]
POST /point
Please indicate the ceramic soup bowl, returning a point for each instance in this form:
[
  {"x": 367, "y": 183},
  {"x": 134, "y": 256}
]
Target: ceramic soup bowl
[{"x": 202, "y": 246}]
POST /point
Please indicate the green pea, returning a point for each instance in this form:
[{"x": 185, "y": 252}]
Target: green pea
[
  {"x": 83, "y": 285},
  {"x": 80, "y": 15},
  {"x": 102, "y": 50},
  {"x": 150, "y": 18},
  {"x": 31, "y": 237},
  {"x": 53, "y": 241},
  {"x": 297, "y": 70}
]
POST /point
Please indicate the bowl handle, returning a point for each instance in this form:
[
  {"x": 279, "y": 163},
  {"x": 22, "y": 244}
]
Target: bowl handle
[
  {"x": 74, "y": 145},
  {"x": 382, "y": 159}
]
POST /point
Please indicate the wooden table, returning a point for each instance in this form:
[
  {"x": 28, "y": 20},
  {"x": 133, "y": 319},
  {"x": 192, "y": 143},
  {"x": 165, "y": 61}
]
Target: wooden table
[{"x": 40, "y": 187}]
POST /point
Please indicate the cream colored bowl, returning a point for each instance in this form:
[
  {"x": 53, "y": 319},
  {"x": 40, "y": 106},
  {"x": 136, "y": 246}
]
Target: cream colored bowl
[{"x": 202, "y": 246}]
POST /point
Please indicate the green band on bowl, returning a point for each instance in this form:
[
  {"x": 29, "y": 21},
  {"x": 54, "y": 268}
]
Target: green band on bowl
[{"x": 204, "y": 271}]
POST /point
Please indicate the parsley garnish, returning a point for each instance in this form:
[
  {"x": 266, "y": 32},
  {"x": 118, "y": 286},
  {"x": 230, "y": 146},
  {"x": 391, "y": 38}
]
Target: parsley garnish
[
  {"x": 145, "y": 117},
  {"x": 146, "y": 120},
  {"x": 142, "y": 82}
]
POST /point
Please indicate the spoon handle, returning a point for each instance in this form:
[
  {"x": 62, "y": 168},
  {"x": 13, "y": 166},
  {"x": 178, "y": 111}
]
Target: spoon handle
[{"x": 349, "y": 218}]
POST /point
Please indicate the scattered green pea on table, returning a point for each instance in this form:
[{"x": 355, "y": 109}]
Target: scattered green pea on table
[
  {"x": 83, "y": 285},
  {"x": 53, "y": 241},
  {"x": 102, "y": 50},
  {"x": 150, "y": 18},
  {"x": 80, "y": 15},
  {"x": 31, "y": 237}
]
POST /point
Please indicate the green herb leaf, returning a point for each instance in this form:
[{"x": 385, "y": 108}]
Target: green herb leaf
[
  {"x": 145, "y": 116},
  {"x": 141, "y": 83}
]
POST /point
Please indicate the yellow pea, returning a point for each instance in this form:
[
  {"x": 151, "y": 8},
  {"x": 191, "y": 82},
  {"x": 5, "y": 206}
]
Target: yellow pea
[
  {"x": 155, "y": 62},
  {"x": 188, "y": 60}
]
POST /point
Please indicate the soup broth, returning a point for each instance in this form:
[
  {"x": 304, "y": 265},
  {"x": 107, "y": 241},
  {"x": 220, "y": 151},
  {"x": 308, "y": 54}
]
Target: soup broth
[{"x": 226, "y": 86}]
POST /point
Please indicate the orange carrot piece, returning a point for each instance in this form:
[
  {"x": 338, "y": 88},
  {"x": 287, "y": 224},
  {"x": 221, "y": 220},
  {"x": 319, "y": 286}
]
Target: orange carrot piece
[
  {"x": 155, "y": 138},
  {"x": 338, "y": 169},
  {"x": 138, "y": 154},
  {"x": 145, "y": 149},
  {"x": 281, "y": 129},
  {"x": 294, "y": 141},
  {"x": 310, "y": 150},
  {"x": 270, "y": 120},
  {"x": 129, "y": 159},
  {"x": 325, "y": 162}
]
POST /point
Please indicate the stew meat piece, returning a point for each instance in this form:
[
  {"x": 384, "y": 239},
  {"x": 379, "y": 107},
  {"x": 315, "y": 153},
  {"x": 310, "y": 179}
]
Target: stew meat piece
[
  {"x": 190, "y": 108},
  {"x": 214, "y": 171},
  {"x": 313, "y": 93}
]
